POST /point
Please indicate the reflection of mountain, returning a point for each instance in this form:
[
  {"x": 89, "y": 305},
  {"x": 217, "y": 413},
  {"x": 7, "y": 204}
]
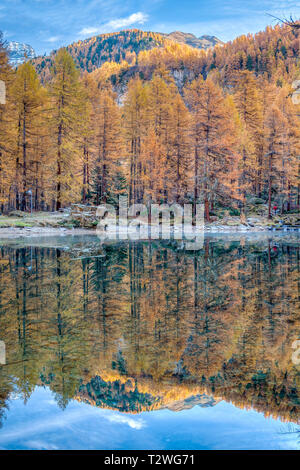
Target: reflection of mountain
[
  {"x": 202, "y": 400},
  {"x": 148, "y": 326},
  {"x": 125, "y": 397},
  {"x": 115, "y": 395}
]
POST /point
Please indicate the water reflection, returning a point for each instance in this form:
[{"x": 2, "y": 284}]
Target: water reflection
[{"x": 143, "y": 326}]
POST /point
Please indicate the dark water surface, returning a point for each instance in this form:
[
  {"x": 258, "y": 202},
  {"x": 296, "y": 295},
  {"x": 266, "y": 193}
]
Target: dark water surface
[{"x": 147, "y": 346}]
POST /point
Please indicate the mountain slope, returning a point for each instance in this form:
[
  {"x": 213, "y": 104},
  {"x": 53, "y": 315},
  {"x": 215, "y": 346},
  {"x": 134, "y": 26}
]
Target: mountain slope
[
  {"x": 92, "y": 53},
  {"x": 272, "y": 53},
  {"x": 19, "y": 51},
  {"x": 118, "y": 57}
]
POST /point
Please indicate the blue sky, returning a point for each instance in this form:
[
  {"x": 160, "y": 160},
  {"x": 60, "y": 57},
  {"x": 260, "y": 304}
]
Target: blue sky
[
  {"x": 49, "y": 24},
  {"x": 41, "y": 425}
]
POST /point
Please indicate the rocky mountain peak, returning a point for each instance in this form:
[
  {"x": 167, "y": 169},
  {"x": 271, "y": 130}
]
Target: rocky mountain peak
[
  {"x": 19, "y": 51},
  {"x": 203, "y": 42}
]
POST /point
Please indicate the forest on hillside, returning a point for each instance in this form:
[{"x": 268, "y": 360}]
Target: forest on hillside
[
  {"x": 229, "y": 131},
  {"x": 91, "y": 53}
]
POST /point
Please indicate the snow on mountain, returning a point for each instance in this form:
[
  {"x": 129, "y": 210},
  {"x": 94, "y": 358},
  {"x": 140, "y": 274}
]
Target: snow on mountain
[{"x": 19, "y": 51}]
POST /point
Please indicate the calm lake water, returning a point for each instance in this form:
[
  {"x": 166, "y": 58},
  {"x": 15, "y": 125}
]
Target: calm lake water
[{"x": 147, "y": 346}]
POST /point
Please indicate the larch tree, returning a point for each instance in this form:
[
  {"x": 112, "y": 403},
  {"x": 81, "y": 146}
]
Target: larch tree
[
  {"x": 109, "y": 146},
  {"x": 193, "y": 94},
  {"x": 28, "y": 96},
  {"x": 135, "y": 130},
  {"x": 290, "y": 161},
  {"x": 87, "y": 138},
  {"x": 152, "y": 170},
  {"x": 162, "y": 92},
  {"x": 248, "y": 104},
  {"x": 275, "y": 129},
  {"x": 67, "y": 107},
  {"x": 266, "y": 93},
  {"x": 40, "y": 178},
  {"x": 216, "y": 141},
  {"x": 231, "y": 179},
  {"x": 180, "y": 158},
  {"x": 212, "y": 136},
  {"x": 8, "y": 135}
]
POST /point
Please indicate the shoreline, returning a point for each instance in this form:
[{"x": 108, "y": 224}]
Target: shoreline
[
  {"x": 37, "y": 232},
  {"x": 82, "y": 220}
]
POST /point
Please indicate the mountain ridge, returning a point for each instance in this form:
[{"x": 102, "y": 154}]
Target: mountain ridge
[
  {"x": 125, "y": 45},
  {"x": 19, "y": 51},
  {"x": 202, "y": 42},
  {"x": 128, "y": 397}
]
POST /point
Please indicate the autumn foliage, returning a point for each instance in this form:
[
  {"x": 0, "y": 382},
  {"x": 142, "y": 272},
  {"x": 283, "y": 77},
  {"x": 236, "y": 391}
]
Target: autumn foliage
[{"x": 171, "y": 124}]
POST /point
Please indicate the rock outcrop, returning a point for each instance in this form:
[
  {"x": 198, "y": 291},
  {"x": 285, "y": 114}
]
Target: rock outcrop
[
  {"x": 83, "y": 216},
  {"x": 203, "y": 42}
]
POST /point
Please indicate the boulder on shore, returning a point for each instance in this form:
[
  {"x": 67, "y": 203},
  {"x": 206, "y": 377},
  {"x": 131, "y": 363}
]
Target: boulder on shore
[
  {"x": 19, "y": 214},
  {"x": 84, "y": 216}
]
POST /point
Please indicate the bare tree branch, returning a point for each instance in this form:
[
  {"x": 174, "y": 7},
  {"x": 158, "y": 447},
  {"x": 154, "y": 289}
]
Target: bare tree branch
[{"x": 289, "y": 22}]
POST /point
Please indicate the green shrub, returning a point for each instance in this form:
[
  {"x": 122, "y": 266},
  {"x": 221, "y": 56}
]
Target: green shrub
[{"x": 234, "y": 212}]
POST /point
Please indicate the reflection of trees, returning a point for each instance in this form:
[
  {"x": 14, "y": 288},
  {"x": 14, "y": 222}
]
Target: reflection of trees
[
  {"x": 213, "y": 318},
  {"x": 139, "y": 325}
]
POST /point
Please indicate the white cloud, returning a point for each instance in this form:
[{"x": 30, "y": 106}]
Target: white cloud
[
  {"x": 118, "y": 23},
  {"x": 91, "y": 30},
  {"x": 40, "y": 445},
  {"x": 135, "y": 18},
  {"x": 30, "y": 432},
  {"x": 123, "y": 419},
  {"x": 52, "y": 39}
]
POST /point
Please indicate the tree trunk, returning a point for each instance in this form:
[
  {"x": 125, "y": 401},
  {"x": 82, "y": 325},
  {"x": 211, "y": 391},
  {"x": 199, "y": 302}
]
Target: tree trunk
[
  {"x": 206, "y": 210},
  {"x": 178, "y": 178},
  {"x": 84, "y": 182},
  {"x": 58, "y": 188},
  {"x": 24, "y": 186},
  {"x": 58, "y": 200},
  {"x": 289, "y": 197},
  {"x": 270, "y": 187},
  {"x": 196, "y": 195}
]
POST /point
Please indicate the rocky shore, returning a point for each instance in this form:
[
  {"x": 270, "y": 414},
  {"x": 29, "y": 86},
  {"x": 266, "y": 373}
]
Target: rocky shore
[{"x": 80, "y": 220}]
